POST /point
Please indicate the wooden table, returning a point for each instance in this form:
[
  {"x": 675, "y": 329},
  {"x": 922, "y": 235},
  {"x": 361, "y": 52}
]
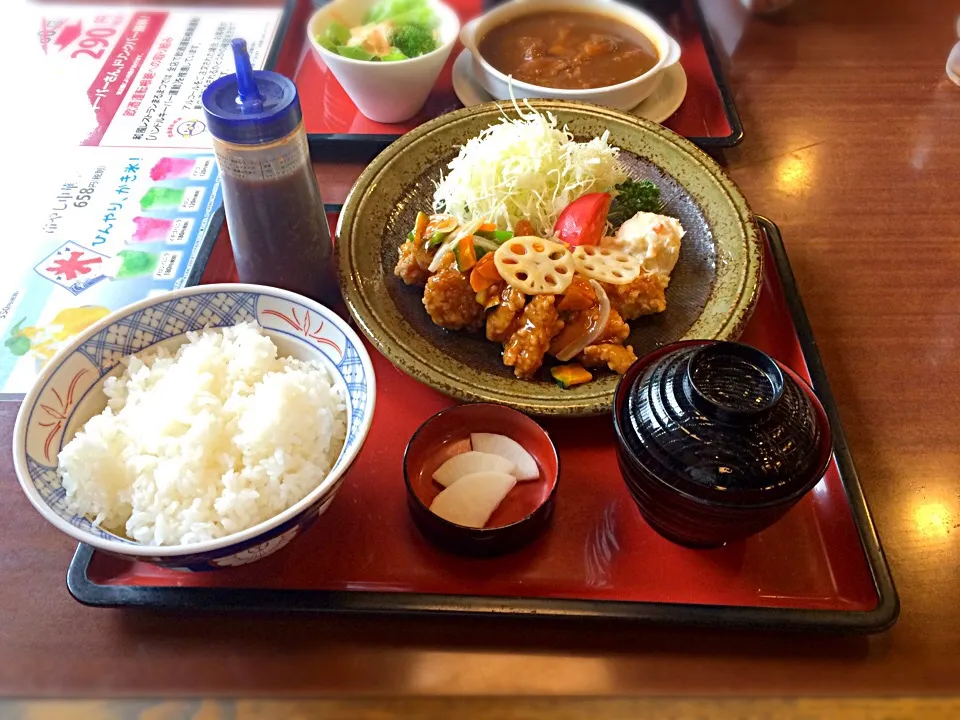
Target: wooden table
[{"x": 852, "y": 146}]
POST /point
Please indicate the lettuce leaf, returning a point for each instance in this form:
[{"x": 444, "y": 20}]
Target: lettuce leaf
[{"x": 403, "y": 12}]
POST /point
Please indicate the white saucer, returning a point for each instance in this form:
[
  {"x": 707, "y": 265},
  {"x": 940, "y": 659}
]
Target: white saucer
[{"x": 660, "y": 105}]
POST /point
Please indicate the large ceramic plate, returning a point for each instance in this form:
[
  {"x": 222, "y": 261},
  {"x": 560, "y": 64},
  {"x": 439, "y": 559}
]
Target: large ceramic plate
[{"x": 711, "y": 295}]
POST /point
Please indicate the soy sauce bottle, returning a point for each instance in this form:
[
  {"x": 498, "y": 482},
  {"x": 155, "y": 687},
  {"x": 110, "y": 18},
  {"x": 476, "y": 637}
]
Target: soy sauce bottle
[{"x": 278, "y": 227}]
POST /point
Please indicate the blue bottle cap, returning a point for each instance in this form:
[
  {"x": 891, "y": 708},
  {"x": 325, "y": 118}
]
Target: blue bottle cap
[{"x": 251, "y": 107}]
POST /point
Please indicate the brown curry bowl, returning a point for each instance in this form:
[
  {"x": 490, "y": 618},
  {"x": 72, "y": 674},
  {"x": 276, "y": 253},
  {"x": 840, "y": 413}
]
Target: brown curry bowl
[{"x": 621, "y": 96}]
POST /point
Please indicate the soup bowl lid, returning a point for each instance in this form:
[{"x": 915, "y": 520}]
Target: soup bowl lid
[{"x": 724, "y": 423}]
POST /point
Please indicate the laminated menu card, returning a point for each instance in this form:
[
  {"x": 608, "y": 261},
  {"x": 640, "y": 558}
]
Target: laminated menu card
[{"x": 115, "y": 191}]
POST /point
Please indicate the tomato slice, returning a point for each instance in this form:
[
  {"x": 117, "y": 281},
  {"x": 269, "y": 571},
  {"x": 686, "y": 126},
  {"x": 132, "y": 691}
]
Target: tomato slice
[{"x": 583, "y": 221}]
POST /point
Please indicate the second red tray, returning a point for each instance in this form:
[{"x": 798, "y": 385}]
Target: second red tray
[
  {"x": 708, "y": 115},
  {"x": 820, "y": 567}
]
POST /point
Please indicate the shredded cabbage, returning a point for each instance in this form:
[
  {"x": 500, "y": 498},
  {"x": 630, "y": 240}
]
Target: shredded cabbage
[{"x": 526, "y": 168}]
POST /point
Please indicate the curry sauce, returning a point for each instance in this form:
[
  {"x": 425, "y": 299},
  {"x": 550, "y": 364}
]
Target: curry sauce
[{"x": 568, "y": 50}]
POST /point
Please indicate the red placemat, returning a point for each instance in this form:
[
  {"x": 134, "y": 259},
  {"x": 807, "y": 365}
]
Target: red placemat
[
  {"x": 598, "y": 547},
  {"x": 707, "y": 114}
]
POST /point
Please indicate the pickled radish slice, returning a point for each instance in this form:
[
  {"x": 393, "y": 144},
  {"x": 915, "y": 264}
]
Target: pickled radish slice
[
  {"x": 470, "y": 463},
  {"x": 527, "y": 468},
  {"x": 471, "y": 500}
]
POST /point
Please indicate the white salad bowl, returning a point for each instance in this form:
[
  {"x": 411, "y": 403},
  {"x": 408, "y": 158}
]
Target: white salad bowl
[
  {"x": 69, "y": 392},
  {"x": 387, "y": 92},
  {"x": 624, "y": 96}
]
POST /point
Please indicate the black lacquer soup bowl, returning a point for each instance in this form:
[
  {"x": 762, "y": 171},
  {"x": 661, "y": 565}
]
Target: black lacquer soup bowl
[{"x": 717, "y": 441}]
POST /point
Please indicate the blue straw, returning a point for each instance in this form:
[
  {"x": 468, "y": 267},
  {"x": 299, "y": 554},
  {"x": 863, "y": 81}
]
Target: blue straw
[{"x": 249, "y": 99}]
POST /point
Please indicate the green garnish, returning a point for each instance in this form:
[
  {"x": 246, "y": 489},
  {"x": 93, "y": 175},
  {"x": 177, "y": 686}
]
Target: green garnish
[
  {"x": 498, "y": 236},
  {"x": 632, "y": 197}
]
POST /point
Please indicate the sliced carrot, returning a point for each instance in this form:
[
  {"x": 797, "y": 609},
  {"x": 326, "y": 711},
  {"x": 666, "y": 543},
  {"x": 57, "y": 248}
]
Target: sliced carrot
[
  {"x": 579, "y": 296},
  {"x": 465, "y": 252},
  {"x": 484, "y": 274},
  {"x": 420, "y": 227},
  {"x": 524, "y": 228},
  {"x": 487, "y": 227}
]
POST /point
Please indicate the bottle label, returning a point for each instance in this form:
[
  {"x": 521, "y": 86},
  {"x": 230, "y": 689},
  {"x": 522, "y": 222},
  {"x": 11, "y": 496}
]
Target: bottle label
[{"x": 271, "y": 162}]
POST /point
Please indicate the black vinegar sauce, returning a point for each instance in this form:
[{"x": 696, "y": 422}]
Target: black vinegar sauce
[{"x": 277, "y": 223}]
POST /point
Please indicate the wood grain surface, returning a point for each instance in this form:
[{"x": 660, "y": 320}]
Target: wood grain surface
[
  {"x": 485, "y": 709},
  {"x": 852, "y": 147}
]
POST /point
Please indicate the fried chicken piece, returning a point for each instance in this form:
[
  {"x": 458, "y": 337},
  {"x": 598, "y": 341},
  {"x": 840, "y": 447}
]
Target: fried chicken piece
[
  {"x": 616, "y": 357},
  {"x": 525, "y": 349},
  {"x": 408, "y": 268},
  {"x": 504, "y": 320},
  {"x": 616, "y": 331},
  {"x": 643, "y": 296},
  {"x": 451, "y": 302}
]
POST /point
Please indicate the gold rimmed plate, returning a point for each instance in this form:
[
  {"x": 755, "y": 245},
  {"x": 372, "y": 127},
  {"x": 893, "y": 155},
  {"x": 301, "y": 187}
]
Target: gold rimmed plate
[{"x": 711, "y": 295}]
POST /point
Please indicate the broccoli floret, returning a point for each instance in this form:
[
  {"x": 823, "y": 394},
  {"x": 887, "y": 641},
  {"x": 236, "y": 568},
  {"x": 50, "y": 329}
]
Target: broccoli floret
[
  {"x": 633, "y": 197},
  {"x": 413, "y": 40}
]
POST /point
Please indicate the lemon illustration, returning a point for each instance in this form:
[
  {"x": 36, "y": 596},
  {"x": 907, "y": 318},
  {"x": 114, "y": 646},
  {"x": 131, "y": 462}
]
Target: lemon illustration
[{"x": 44, "y": 341}]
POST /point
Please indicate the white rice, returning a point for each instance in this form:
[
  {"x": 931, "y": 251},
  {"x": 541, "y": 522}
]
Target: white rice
[{"x": 206, "y": 443}]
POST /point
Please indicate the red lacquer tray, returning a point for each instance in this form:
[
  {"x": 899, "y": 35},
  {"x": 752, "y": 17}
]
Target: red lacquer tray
[
  {"x": 707, "y": 116},
  {"x": 821, "y": 567}
]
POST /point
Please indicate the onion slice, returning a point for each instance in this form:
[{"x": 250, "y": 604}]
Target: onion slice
[
  {"x": 482, "y": 243},
  {"x": 447, "y": 247},
  {"x": 576, "y": 347}
]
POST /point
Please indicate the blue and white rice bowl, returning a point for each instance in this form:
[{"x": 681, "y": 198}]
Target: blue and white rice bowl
[{"x": 69, "y": 391}]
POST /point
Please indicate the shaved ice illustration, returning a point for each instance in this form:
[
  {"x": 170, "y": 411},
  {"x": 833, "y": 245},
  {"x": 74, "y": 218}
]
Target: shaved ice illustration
[
  {"x": 43, "y": 341},
  {"x": 128, "y": 264},
  {"x": 150, "y": 230},
  {"x": 161, "y": 198},
  {"x": 169, "y": 168},
  {"x": 73, "y": 267}
]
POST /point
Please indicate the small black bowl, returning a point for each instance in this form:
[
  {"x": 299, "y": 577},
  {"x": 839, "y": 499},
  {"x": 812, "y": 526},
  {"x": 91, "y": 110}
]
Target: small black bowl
[
  {"x": 717, "y": 441},
  {"x": 525, "y": 512}
]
